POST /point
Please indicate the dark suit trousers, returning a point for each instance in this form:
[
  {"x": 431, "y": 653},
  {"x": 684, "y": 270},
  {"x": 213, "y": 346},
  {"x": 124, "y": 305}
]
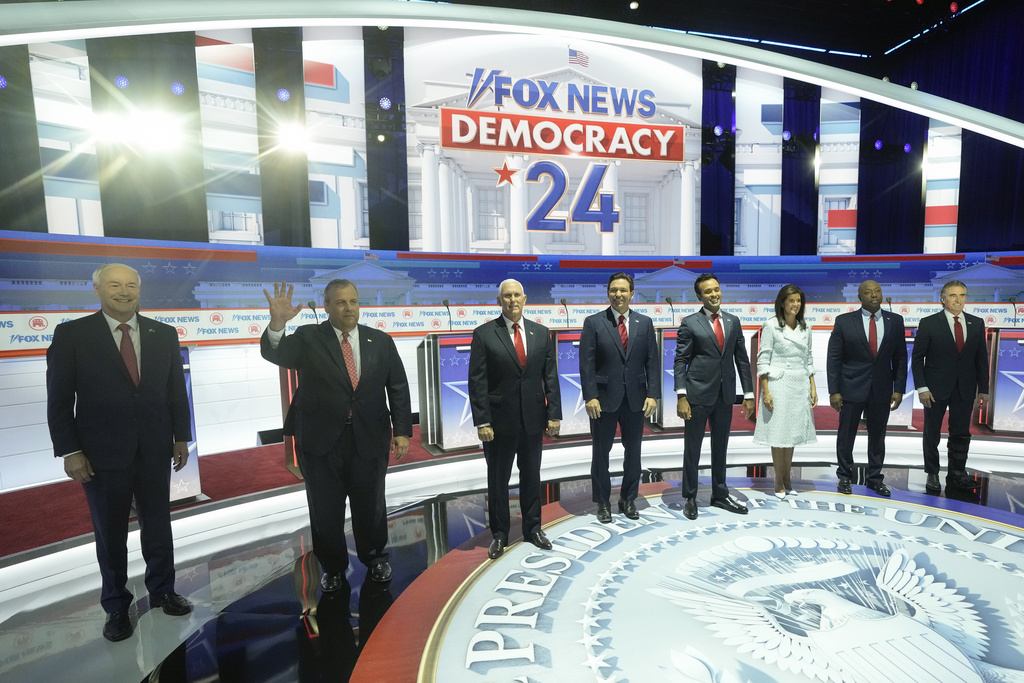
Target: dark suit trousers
[
  {"x": 110, "y": 499},
  {"x": 603, "y": 432},
  {"x": 332, "y": 478},
  {"x": 720, "y": 417},
  {"x": 960, "y": 411},
  {"x": 876, "y": 412},
  {"x": 499, "y": 454}
]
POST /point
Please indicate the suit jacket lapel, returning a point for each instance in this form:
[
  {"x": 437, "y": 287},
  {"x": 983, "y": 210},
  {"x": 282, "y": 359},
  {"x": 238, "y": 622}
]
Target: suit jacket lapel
[
  {"x": 506, "y": 339},
  {"x": 108, "y": 345},
  {"x": 709, "y": 329},
  {"x": 147, "y": 339},
  {"x": 612, "y": 327},
  {"x": 330, "y": 339}
]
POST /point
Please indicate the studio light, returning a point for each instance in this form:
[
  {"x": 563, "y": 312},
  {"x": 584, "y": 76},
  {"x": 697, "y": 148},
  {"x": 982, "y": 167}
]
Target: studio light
[
  {"x": 177, "y": 88},
  {"x": 284, "y": 95},
  {"x": 292, "y": 136},
  {"x": 152, "y": 131},
  {"x": 121, "y": 82},
  {"x": 381, "y": 137},
  {"x": 718, "y": 131},
  {"x": 786, "y": 135},
  {"x": 385, "y": 103},
  {"x": 3, "y": 82},
  {"x": 878, "y": 145},
  {"x": 634, "y": 5},
  {"x": 907, "y": 148}
]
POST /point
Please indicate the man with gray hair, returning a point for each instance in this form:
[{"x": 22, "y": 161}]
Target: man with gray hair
[
  {"x": 950, "y": 366},
  {"x": 350, "y": 378},
  {"x": 118, "y": 413},
  {"x": 513, "y": 390}
]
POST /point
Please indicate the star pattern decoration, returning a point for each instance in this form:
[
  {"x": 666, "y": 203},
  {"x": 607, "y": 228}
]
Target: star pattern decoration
[
  {"x": 1017, "y": 377},
  {"x": 505, "y": 174},
  {"x": 181, "y": 486},
  {"x": 148, "y": 267},
  {"x": 951, "y": 265},
  {"x": 170, "y": 267},
  {"x": 431, "y": 273},
  {"x": 574, "y": 379},
  {"x": 190, "y": 269}
]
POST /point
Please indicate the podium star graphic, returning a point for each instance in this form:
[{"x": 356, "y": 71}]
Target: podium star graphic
[
  {"x": 1015, "y": 377},
  {"x": 505, "y": 174}
]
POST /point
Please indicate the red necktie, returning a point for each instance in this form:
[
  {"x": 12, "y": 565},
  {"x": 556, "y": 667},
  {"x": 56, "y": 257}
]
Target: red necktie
[
  {"x": 958, "y": 333},
  {"x": 623, "y": 333},
  {"x": 350, "y": 359},
  {"x": 873, "y": 337},
  {"x": 520, "y": 348},
  {"x": 131, "y": 361},
  {"x": 719, "y": 332}
]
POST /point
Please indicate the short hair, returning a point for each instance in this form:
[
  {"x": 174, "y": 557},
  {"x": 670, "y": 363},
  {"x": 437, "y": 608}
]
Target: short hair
[
  {"x": 510, "y": 281},
  {"x": 338, "y": 283},
  {"x": 952, "y": 283},
  {"x": 98, "y": 273},
  {"x": 701, "y": 279},
  {"x": 620, "y": 276},
  {"x": 780, "y": 302}
]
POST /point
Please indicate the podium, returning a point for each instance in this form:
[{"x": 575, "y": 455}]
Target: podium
[
  {"x": 1005, "y": 413},
  {"x": 575, "y": 421},
  {"x": 446, "y": 418}
]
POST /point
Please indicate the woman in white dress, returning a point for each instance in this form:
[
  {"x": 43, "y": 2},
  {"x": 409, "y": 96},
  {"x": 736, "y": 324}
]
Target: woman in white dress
[{"x": 785, "y": 372}]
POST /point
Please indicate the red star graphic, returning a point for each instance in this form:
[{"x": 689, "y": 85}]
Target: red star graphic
[{"x": 505, "y": 174}]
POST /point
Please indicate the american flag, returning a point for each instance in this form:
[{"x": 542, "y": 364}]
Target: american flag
[{"x": 578, "y": 57}]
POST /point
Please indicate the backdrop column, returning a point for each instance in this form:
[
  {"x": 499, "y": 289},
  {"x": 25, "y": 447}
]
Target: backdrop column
[
  {"x": 801, "y": 118},
  {"x": 718, "y": 160},
  {"x": 22, "y": 198}
]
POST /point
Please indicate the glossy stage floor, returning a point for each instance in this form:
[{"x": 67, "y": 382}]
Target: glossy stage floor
[{"x": 819, "y": 586}]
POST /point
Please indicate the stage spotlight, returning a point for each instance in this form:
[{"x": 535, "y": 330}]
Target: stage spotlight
[
  {"x": 381, "y": 137},
  {"x": 634, "y": 5},
  {"x": 953, "y": 7},
  {"x": 907, "y": 148},
  {"x": 158, "y": 131},
  {"x": 786, "y": 135},
  {"x": 3, "y": 82},
  {"x": 885, "y": 79},
  {"x": 385, "y": 103},
  {"x": 718, "y": 131},
  {"x": 913, "y": 86},
  {"x": 878, "y": 145},
  {"x": 121, "y": 82},
  {"x": 284, "y": 95},
  {"x": 383, "y": 28},
  {"x": 177, "y": 88},
  {"x": 292, "y": 136}
]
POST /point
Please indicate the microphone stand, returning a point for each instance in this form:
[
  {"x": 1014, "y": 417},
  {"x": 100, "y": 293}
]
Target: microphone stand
[
  {"x": 445, "y": 302},
  {"x": 672, "y": 308},
  {"x": 566, "y": 306}
]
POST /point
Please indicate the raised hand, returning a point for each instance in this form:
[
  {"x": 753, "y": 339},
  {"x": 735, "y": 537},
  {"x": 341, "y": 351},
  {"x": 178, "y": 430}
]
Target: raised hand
[{"x": 281, "y": 309}]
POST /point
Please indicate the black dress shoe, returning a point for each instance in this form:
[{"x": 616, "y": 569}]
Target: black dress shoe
[
  {"x": 729, "y": 504},
  {"x": 961, "y": 480},
  {"x": 844, "y": 486},
  {"x": 539, "y": 539},
  {"x": 628, "y": 508},
  {"x": 381, "y": 572},
  {"x": 690, "y": 508},
  {"x": 604, "y": 512},
  {"x": 880, "y": 488},
  {"x": 173, "y": 604},
  {"x": 331, "y": 582},
  {"x": 118, "y": 626},
  {"x": 932, "y": 486},
  {"x": 497, "y": 548}
]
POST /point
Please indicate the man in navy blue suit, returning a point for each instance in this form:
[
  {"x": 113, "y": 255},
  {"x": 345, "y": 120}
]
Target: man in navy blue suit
[
  {"x": 118, "y": 414},
  {"x": 621, "y": 379},
  {"x": 710, "y": 352},
  {"x": 867, "y": 373},
  {"x": 950, "y": 365}
]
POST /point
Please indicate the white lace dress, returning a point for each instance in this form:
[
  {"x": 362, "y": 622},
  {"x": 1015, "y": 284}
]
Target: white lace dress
[{"x": 785, "y": 356}]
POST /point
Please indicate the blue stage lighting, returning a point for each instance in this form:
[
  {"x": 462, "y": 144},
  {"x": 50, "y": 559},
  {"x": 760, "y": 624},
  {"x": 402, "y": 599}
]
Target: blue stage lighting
[
  {"x": 177, "y": 88},
  {"x": 121, "y": 82},
  {"x": 878, "y": 145},
  {"x": 284, "y": 95},
  {"x": 786, "y": 135},
  {"x": 3, "y": 82},
  {"x": 385, "y": 103},
  {"x": 718, "y": 130},
  {"x": 907, "y": 148}
]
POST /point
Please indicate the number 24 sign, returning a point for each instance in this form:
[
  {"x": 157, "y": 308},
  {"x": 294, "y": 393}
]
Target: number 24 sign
[{"x": 589, "y": 204}]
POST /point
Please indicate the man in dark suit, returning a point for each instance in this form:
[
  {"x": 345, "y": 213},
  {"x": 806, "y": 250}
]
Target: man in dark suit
[
  {"x": 867, "y": 372},
  {"x": 350, "y": 378},
  {"x": 513, "y": 390},
  {"x": 621, "y": 377},
  {"x": 950, "y": 365},
  {"x": 118, "y": 414},
  {"x": 709, "y": 352}
]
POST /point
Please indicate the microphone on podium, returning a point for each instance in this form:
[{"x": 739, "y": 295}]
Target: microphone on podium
[
  {"x": 566, "y": 306},
  {"x": 445, "y": 302},
  {"x": 672, "y": 308},
  {"x": 888, "y": 300},
  {"x": 1013, "y": 302},
  {"x": 312, "y": 307}
]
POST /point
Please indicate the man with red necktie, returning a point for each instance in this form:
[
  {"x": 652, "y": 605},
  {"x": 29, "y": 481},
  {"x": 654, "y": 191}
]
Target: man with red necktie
[
  {"x": 867, "y": 374},
  {"x": 350, "y": 378},
  {"x": 710, "y": 352},
  {"x": 514, "y": 394},
  {"x": 118, "y": 414},
  {"x": 950, "y": 365}
]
